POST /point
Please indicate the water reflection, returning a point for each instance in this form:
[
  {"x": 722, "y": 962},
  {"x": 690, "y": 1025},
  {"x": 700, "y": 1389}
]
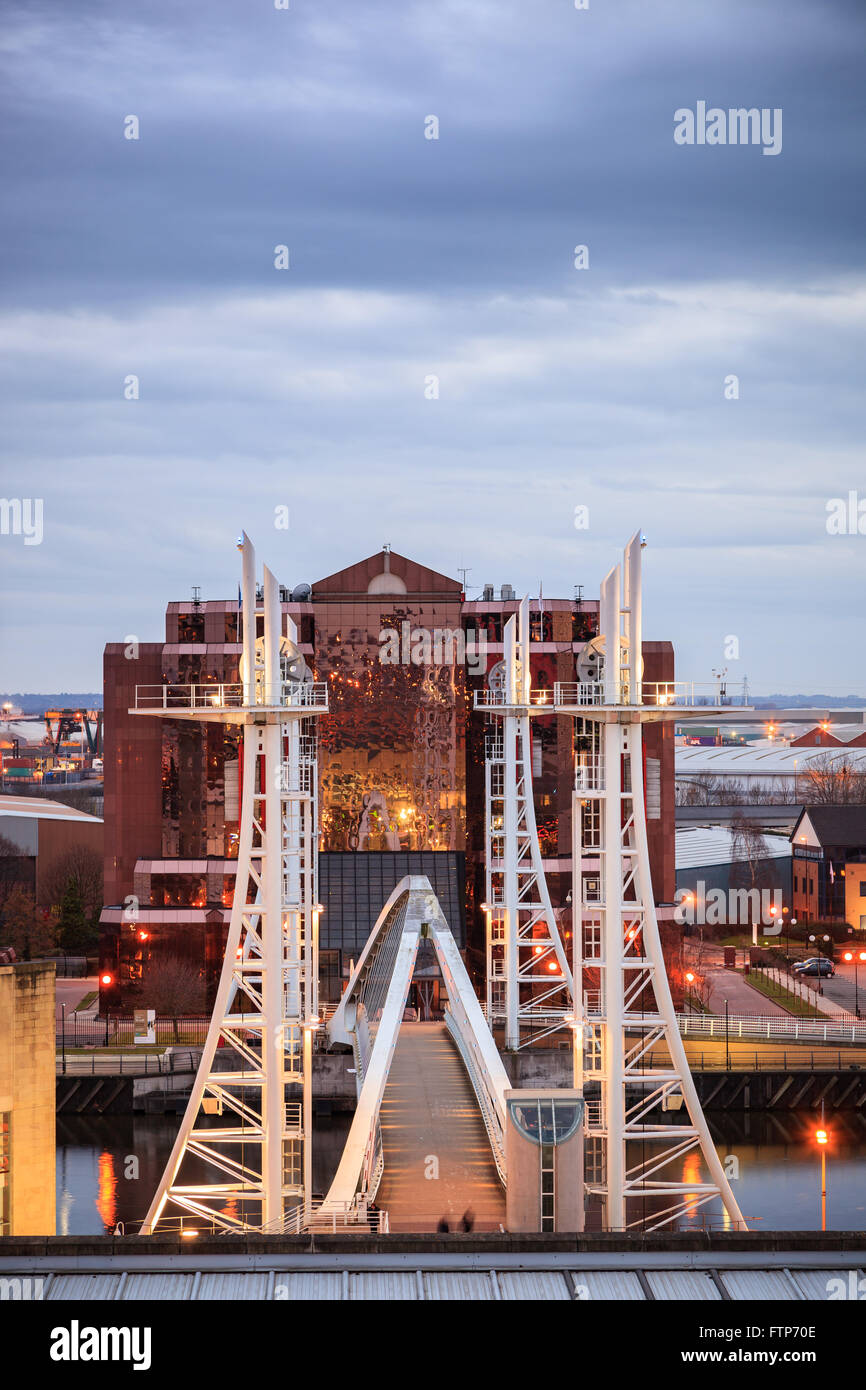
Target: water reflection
[
  {"x": 97, "y": 1185},
  {"x": 772, "y": 1160}
]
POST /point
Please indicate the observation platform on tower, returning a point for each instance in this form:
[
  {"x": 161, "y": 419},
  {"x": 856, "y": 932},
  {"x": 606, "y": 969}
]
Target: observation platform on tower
[
  {"x": 672, "y": 699},
  {"x": 218, "y": 701}
]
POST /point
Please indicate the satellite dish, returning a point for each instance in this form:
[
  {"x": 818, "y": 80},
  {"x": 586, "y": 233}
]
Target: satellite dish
[
  {"x": 302, "y": 593},
  {"x": 590, "y": 661},
  {"x": 293, "y": 668},
  {"x": 496, "y": 676}
]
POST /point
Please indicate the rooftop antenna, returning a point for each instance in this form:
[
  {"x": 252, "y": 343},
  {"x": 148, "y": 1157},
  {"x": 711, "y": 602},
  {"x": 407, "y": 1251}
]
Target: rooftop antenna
[
  {"x": 196, "y": 595},
  {"x": 463, "y": 571}
]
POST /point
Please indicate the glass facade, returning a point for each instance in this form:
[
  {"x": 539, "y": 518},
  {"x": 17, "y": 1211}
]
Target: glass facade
[{"x": 391, "y": 751}]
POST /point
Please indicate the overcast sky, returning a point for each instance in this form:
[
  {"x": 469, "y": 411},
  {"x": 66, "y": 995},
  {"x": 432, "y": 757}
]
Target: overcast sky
[{"x": 409, "y": 258}]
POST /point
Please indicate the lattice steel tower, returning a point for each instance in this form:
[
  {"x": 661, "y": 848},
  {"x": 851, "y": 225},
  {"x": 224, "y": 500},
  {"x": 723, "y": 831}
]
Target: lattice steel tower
[
  {"x": 246, "y": 1131},
  {"x": 628, "y": 1056}
]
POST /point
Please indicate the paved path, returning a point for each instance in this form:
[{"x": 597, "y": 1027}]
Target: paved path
[
  {"x": 429, "y": 1112},
  {"x": 742, "y": 999},
  {"x": 70, "y": 991}
]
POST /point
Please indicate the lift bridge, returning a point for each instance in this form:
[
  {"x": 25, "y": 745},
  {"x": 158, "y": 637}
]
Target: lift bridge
[{"x": 426, "y": 1093}]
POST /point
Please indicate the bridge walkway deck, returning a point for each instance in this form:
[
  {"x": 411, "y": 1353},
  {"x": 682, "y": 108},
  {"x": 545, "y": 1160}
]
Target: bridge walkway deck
[{"x": 429, "y": 1113}]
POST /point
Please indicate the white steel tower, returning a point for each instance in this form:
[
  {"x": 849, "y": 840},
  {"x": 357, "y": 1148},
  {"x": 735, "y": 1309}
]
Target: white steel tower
[
  {"x": 641, "y": 1162},
  {"x": 528, "y": 977},
  {"x": 244, "y": 1135}
]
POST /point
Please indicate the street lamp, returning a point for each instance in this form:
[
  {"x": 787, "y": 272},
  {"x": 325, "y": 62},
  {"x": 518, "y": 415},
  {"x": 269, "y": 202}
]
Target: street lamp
[{"x": 861, "y": 955}]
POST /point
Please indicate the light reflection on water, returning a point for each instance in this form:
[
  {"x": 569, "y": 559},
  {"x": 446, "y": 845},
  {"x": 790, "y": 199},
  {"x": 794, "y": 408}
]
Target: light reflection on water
[
  {"x": 772, "y": 1159},
  {"x": 99, "y": 1184}
]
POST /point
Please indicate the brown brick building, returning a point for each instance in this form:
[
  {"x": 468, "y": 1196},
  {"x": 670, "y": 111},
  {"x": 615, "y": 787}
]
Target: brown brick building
[{"x": 400, "y": 762}]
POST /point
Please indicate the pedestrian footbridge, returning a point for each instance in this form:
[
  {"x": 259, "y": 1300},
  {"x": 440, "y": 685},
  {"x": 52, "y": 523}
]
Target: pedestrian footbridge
[{"x": 427, "y": 1139}]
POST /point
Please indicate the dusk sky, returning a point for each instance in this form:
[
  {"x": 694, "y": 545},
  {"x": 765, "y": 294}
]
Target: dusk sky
[{"x": 411, "y": 258}]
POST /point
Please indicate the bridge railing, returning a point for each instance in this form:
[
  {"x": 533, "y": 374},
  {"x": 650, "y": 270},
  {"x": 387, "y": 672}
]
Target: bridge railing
[
  {"x": 484, "y": 1094},
  {"x": 812, "y": 1030},
  {"x": 359, "y": 1215}
]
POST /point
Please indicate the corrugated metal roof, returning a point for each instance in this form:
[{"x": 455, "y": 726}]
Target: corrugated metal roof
[
  {"x": 457, "y": 1283},
  {"x": 533, "y": 1285},
  {"x": 764, "y": 759},
  {"x": 159, "y": 1286},
  {"x": 820, "y": 1284},
  {"x": 691, "y": 1284},
  {"x": 714, "y": 844},
  {"x": 387, "y": 1284},
  {"x": 752, "y": 1284},
  {"x": 81, "y": 1287},
  {"x": 305, "y": 1285},
  {"x": 381, "y": 1284},
  {"x": 233, "y": 1286},
  {"x": 615, "y": 1284}
]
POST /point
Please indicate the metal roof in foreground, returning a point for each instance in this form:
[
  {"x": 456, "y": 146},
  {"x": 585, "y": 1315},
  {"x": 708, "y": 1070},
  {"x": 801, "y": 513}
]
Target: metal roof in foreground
[{"x": 786, "y": 1266}]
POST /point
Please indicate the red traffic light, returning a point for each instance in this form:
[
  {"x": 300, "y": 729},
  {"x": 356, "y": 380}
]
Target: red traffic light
[{"x": 107, "y": 979}]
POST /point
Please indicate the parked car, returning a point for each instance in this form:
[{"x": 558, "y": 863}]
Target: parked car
[{"x": 816, "y": 965}]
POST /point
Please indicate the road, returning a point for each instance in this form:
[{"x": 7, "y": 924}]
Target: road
[{"x": 842, "y": 987}]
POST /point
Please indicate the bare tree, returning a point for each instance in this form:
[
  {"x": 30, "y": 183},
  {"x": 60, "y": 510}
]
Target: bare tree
[
  {"x": 79, "y": 869},
  {"x": 25, "y": 927},
  {"x": 172, "y": 987},
  {"x": 749, "y": 854},
  {"x": 832, "y": 779},
  {"x": 10, "y": 868}
]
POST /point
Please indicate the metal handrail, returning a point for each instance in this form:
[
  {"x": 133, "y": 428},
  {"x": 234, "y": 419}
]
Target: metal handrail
[
  {"x": 220, "y": 695},
  {"x": 589, "y": 694},
  {"x": 339, "y": 1216},
  {"x": 483, "y": 1095},
  {"x": 828, "y": 1029}
]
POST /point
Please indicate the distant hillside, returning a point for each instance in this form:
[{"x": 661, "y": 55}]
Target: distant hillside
[
  {"x": 809, "y": 701},
  {"x": 33, "y": 703}
]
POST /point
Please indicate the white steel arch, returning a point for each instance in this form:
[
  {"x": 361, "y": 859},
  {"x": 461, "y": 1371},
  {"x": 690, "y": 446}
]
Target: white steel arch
[{"x": 369, "y": 1017}]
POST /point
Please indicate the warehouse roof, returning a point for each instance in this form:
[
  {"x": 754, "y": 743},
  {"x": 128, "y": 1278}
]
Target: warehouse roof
[
  {"x": 39, "y": 808},
  {"x": 763, "y": 759},
  {"x": 715, "y": 844}
]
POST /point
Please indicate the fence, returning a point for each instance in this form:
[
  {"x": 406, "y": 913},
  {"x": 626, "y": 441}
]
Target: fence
[
  {"x": 814, "y": 1030},
  {"x": 127, "y": 1064},
  {"x": 119, "y": 1031}
]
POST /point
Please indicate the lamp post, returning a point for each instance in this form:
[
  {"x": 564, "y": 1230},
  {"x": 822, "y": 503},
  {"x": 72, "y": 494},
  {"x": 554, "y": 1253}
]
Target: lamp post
[
  {"x": 861, "y": 955},
  {"x": 63, "y": 1035},
  {"x": 727, "y": 1040}
]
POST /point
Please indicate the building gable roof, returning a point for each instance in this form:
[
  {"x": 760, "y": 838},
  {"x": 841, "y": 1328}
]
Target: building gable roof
[
  {"x": 356, "y": 579},
  {"x": 844, "y": 826}
]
